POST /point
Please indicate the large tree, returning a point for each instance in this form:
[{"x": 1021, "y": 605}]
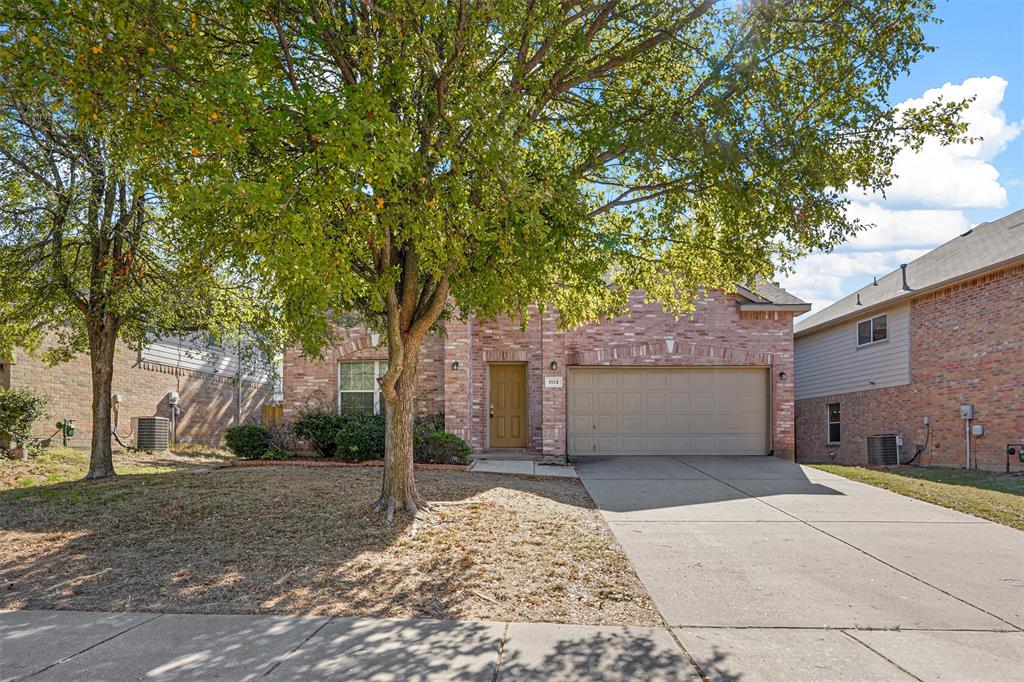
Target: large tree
[
  {"x": 413, "y": 160},
  {"x": 88, "y": 256}
]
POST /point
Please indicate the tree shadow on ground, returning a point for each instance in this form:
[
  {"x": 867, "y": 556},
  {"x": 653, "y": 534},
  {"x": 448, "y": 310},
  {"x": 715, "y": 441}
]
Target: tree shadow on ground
[
  {"x": 296, "y": 648},
  {"x": 302, "y": 541}
]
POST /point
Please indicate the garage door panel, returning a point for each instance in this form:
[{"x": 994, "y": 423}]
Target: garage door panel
[
  {"x": 678, "y": 400},
  {"x": 668, "y": 410},
  {"x": 655, "y": 400},
  {"x": 631, "y": 400},
  {"x": 631, "y": 423},
  {"x": 703, "y": 379}
]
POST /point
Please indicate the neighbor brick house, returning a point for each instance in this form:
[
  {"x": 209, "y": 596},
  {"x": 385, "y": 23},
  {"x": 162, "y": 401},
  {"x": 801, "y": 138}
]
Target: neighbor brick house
[
  {"x": 718, "y": 381},
  {"x": 205, "y": 382},
  {"x": 943, "y": 331}
]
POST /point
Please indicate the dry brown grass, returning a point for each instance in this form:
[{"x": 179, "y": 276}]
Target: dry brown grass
[{"x": 299, "y": 541}]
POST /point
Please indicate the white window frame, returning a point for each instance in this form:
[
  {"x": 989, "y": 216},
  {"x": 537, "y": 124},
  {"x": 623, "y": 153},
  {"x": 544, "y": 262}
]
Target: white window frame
[
  {"x": 871, "y": 328},
  {"x": 829, "y": 423},
  {"x": 376, "y": 386}
]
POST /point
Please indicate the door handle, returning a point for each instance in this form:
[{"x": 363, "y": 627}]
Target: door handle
[{"x": 492, "y": 412}]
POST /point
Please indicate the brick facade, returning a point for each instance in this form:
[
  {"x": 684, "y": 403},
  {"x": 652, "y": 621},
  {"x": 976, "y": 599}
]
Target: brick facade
[
  {"x": 966, "y": 346},
  {"x": 207, "y": 402},
  {"x": 717, "y": 334}
]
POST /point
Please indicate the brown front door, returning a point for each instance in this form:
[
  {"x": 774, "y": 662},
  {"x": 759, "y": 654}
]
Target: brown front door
[{"x": 508, "y": 406}]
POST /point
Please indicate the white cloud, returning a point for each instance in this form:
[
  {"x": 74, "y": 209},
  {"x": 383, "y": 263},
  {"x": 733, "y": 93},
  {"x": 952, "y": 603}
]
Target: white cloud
[
  {"x": 895, "y": 228},
  {"x": 925, "y": 205},
  {"x": 820, "y": 278},
  {"x": 960, "y": 175}
]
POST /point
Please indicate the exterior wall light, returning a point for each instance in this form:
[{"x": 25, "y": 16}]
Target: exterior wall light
[
  {"x": 783, "y": 376},
  {"x": 554, "y": 364},
  {"x": 456, "y": 365}
]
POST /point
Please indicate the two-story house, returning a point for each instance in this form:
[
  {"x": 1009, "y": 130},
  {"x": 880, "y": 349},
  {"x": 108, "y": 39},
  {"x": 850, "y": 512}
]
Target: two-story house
[{"x": 889, "y": 367}]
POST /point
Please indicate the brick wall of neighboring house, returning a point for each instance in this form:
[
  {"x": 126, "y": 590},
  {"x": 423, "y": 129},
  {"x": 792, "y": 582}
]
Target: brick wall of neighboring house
[
  {"x": 207, "y": 401},
  {"x": 717, "y": 334},
  {"x": 966, "y": 346},
  {"x": 862, "y": 414}
]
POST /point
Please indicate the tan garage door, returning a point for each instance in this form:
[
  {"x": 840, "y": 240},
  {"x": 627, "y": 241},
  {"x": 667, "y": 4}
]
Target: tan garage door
[{"x": 668, "y": 411}]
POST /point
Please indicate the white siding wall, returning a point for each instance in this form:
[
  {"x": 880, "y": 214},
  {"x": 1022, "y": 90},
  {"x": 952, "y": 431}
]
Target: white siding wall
[
  {"x": 190, "y": 355},
  {"x": 829, "y": 362}
]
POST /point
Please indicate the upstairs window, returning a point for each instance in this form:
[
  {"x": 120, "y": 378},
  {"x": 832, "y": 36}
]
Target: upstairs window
[
  {"x": 833, "y": 423},
  {"x": 872, "y": 331},
  {"x": 358, "y": 390}
]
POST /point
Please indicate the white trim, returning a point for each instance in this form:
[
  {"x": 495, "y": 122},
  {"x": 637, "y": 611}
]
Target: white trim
[
  {"x": 829, "y": 423},
  {"x": 871, "y": 330},
  {"x": 375, "y": 390}
]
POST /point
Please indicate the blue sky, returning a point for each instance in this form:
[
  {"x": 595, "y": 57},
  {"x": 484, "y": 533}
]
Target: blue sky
[{"x": 942, "y": 191}]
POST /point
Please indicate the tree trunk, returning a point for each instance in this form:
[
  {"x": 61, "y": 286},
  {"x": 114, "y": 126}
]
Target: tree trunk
[
  {"x": 398, "y": 488},
  {"x": 101, "y": 360}
]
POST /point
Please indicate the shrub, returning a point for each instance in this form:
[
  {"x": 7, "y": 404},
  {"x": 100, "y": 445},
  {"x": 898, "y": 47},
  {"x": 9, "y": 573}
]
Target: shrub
[
  {"x": 320, "y": 427},
  {"x": 433, "y": 446},
  {"x": 360, "y": 437},
  {"x": 20, "y": 408},
  {"x": 248, "y": 441},
  {"x": 435, "y": 420},
  {"x": 277, "y": 453}
]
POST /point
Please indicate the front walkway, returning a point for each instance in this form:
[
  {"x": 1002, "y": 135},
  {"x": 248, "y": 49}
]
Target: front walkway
[
  {"x": 78, "y": 645},
  {"x": 768, "y": 570}
]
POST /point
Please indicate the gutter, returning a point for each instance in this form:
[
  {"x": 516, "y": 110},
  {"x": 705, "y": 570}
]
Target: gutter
[
  {"x": 907, "y": 295},
  {"x": 785, "y": 307}
]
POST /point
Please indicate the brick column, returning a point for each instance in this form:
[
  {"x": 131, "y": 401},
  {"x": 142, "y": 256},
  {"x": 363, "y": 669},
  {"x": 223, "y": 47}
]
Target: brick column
[
  {"x": 553, "y": 399},
  {"x": 456, "y": 381}
]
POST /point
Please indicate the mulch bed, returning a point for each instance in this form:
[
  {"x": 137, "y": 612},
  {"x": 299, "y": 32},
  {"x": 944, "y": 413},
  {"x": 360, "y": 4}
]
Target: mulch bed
[{"x": 312, "y": 462}]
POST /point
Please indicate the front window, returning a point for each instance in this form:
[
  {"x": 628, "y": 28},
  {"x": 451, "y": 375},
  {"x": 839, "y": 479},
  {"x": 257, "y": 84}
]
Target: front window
[
  {"x": 872, "y": 331},
  {"x": 358, "y": 390},
  {"x": 833, "y": 423}
]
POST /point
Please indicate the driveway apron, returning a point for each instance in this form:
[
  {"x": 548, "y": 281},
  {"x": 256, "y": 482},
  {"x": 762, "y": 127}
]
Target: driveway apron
[{"x": 766, "y": 569}]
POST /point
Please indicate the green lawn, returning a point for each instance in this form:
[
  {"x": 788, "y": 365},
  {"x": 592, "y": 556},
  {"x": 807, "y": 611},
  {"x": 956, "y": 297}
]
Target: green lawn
[{"x": 996, "y": 497}]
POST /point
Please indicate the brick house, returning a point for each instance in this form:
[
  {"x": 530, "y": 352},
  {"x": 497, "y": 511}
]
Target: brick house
[
  {"x": 204, "y": 380},
  {"x": 944, "y": 331},
  {"x": 718, "y": 381}
]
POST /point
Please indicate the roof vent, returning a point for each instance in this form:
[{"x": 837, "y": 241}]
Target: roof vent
[
  {"x": 875, "y": 282},
  {"x": 903, "y": 268},
  {"x": 858, "y": 300},
  {"x": 967, "y": 232}
]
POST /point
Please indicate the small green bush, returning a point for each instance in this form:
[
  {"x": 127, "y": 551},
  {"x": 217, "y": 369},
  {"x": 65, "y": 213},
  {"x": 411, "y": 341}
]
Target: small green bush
[
  {"x": 20, "y": 408},
  {"x": 248, "y": 441},
  {"x": 320, "y": 427},
  {"x": 360, "y": 437},
  {"x": 435, "y": 420},
  {"x": 433, "y": 446},
  {"x": 277, "y": 453}
]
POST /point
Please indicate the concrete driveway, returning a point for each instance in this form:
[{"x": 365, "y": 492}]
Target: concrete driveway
[{"x": 765, "y": 569}]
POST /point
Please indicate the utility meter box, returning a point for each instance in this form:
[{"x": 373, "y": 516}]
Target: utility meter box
[
  {"x": 967, "y": 411},
  {"x": 977, "y": 430}
]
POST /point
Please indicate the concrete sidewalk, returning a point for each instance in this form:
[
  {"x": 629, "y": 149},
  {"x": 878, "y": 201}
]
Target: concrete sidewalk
[{"x": 78, "y": 645}]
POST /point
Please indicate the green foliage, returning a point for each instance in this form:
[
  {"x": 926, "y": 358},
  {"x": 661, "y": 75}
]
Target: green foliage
[
  {"x": 248, "y": 441},
  {"x": 277, "y": 453},
  {"x": 439, "y": 447},
  {"x": 20, "y": 408},
  {"x": 360, "y": 437},
  {"x": 435, "y": 420},
  {"x": 513, "y": 153},
  {"x": 320, "y": 427}
]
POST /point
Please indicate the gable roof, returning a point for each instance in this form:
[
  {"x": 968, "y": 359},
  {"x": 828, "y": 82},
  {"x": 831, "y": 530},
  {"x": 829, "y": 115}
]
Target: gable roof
[
  {"x": 986, "y": 247},
  {"x": 767, "y": 295}
]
